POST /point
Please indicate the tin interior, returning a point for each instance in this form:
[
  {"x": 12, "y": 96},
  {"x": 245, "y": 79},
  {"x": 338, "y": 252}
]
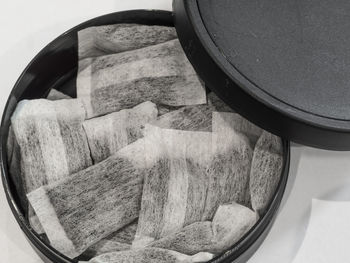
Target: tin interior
[{"x": 37, "y": 80}]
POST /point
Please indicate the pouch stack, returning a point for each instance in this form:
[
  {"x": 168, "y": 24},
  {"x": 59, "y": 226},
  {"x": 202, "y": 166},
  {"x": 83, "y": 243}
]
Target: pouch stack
[{"x": 144, "y": 165}]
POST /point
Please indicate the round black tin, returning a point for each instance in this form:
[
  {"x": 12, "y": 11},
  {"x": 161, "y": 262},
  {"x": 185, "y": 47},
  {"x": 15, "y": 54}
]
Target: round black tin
[
  {"x": 56, "y": 67},
  {"x": 284, "y": 65}
]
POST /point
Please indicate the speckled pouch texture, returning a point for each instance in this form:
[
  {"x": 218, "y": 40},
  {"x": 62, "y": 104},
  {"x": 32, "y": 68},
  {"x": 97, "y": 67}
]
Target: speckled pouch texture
[
  {"x": 159, "y": 73},
  {"x": 80, "y": 210},
  {"x": 266, "y": 170},
  {"x": 229, "y": 224},
  {"x": 203, "y": 117},
  {"x": 54, "y": 94},
  {"x": 118, "y": 241},
  {"x": 90, "y": 205},
  {"x": 110, "y": 39},
  {"x": 108, "y": 134},
  {"x": 186, "y": 185},
  {"x": 232, "y": 121},
  {"x": 50, "y": 144},
  {"x": 51, "y": 138}
]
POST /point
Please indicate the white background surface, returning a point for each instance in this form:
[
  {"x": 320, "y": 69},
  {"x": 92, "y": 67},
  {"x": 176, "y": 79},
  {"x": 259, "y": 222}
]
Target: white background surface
[{"x": 27, "y": 26}]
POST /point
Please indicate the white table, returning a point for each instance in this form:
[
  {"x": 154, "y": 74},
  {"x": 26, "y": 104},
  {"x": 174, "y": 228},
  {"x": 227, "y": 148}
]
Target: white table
[{"x": 27, "y": 26}]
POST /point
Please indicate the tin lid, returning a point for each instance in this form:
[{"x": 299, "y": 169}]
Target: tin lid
[{"x": 284, "y": 65}]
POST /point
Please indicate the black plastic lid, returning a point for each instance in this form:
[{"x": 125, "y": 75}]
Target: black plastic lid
[{"x": 284, "y": 65}]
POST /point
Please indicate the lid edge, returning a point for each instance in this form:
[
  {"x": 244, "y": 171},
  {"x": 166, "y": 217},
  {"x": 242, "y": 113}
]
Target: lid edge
[{"x": 268, "y": 118}]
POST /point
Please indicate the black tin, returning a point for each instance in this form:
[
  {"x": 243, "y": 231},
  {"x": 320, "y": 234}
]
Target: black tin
[
  {"x": 56, "y": 67},
  {"x": 283, "y": 65}
]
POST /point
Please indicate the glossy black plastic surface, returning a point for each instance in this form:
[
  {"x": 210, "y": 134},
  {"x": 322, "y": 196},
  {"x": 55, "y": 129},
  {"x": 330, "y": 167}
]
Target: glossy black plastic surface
[
  {"x": 56, "y": 66},
  {"x": 284, "y": 65}
]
